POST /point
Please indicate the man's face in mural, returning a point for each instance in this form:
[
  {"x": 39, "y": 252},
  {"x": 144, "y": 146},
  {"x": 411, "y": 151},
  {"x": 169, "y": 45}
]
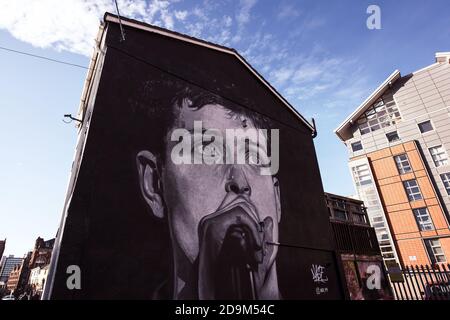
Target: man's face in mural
[{"x": 221, "y": 216}]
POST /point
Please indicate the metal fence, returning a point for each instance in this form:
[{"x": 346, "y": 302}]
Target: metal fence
[{"x": 421, "y": 282}]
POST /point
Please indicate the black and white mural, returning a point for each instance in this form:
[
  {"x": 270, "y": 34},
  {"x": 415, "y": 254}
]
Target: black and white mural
[{"x": 196, "y": 182}]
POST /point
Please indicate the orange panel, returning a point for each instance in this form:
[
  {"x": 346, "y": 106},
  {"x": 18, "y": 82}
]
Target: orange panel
[
  {"x": 431, "y": 202},
  {"x": 432, "y": 233},
  {"x": 437, "y": 216},
  {"x": 384, "y": 168},
  {"x": 413, "y": 248},
  {"x": 409, "y": 235},
  {"x": 407, "y": 176},
  {"x": 415, "y": 160},
  {"x": 444, "y": 232},
  {"x": 393, "y": 194},
  {"x": 403, "y": 222},
  {"x": 398, "y": 207},
  {"x": 421, "y": 173},
  {"x": 398, "y": 149},
  {"x": 383, "y": 153},
  {"x": 426, "y": 188},
  {"x": 390, "y": 180},
  {"x": 410, "y": 146},
  {"x": 418, "y": 204}
]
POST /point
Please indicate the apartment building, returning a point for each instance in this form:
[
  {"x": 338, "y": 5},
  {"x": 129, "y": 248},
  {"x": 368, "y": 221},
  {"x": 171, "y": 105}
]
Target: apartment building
[{"x": 398, "y": 141}]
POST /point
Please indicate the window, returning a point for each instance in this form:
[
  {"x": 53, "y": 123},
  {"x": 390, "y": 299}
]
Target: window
[
  {"x": 392, "y": 136},
  {"x": 412, "y": 190},
  {"x": 425, "y": 126},
  {"x": 435, "y": 250},
  {"x": 356, "y": 146},
  {"x": 439, "y": 156},
  {"x": 446, "y": 181},
  {"x": 377, "y": 219},
  {"x": 361, "y": 175},
  {"x": 402, "y": 163},
  {"x": 340, "y": 214},
  {"x": 379, "y": 115},
  {"x": 423, "y": 219}
]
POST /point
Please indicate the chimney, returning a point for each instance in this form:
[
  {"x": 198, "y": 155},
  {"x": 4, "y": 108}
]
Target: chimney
[{"x": 442, "y": 57}]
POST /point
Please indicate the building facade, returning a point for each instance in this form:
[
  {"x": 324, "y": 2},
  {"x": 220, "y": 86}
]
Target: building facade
[
  {"x": 18, "y": 278},
  {"x": 14, "y": 278},
  {"x": 398, "y": 141},
  {"x": 174, "y": 224},
  {"x": 7, "y": 265},
  {"x": 38, "y": 277},
  {"x": 41, "y": 253},
  {"x": 357, "y": 249}
]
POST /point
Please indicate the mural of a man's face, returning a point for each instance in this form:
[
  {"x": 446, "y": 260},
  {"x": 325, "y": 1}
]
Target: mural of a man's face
[{"x": 221, "y": 216}]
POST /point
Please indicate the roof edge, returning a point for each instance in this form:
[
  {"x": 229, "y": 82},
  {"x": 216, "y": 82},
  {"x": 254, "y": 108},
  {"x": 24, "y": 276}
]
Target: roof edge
[
  {"x": 109, "y": 17},
  {"x": 374, "y": 95}
]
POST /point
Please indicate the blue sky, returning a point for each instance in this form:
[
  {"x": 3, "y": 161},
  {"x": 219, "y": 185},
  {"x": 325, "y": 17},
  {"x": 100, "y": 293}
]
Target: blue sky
[{"x": 319, "y": 54}]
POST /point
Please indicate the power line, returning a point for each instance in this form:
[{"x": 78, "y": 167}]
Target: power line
[
  {"x": 152, "y": 65},
  {"x": 179, "y": 77},
  {"x": 44, "y": 58},
  {"x": 120, "y": 21}
]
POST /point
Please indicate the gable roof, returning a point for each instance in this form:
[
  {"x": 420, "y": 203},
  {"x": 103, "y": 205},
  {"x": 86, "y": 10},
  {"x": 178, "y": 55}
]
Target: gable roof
[
  {"x": 109, "y": 17},
  {"x": 342, "y": 130}
]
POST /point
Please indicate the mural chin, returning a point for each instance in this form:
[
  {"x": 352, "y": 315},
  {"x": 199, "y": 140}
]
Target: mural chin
[{"x": 234, "y": 258}]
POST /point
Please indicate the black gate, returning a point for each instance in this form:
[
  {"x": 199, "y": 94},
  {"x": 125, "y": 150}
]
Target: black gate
[{"x": 421, "y": 282}]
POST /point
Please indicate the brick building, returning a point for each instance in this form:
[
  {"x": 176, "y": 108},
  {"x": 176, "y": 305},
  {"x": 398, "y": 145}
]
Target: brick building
[
  {"x": 18, "y": 278},
  {"x": 42, "y": 253},
  {"x": 397, "y": 141}
]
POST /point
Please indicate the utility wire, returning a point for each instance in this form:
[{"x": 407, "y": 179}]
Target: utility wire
[
  {"x": 44, "y": 58},
  {"x": 201, "y": 87},
  {"x": 154, "y": 66},
  {"x": 120, "y": 21}
]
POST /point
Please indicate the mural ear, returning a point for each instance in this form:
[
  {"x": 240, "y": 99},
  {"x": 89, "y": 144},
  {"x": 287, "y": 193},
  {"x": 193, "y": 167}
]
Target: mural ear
[
  {"x": 276, "y": 185},
  {"x": 149, "y": 182}
]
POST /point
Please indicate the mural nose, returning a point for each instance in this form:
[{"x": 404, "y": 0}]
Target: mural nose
[{"x": 238, "y": 183}]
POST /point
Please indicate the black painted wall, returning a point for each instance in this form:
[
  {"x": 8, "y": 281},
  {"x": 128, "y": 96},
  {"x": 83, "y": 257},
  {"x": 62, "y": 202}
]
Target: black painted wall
[{"x": 124, "y": 252}]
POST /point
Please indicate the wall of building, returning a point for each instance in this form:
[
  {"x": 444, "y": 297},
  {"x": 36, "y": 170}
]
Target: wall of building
[
  {"x": 7, "y": 266},
  {"x": 123, "y": 243},
  {"x": 420, "y": 96},
  {"x": 398, "y": 208}
]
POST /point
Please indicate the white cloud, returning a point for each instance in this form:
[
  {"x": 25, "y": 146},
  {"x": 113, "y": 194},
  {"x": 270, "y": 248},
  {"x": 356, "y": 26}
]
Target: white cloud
[
  {"x": 72, "y": 25},
  {"x": 282, "y": 75},
  {"x": 311, "y": 77},
  {"x": 181, "y": 15},
  {"x": 243, "y": 15},
  {"x": 287, "y": 11},
  {"x": 228, "y": 21}
]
